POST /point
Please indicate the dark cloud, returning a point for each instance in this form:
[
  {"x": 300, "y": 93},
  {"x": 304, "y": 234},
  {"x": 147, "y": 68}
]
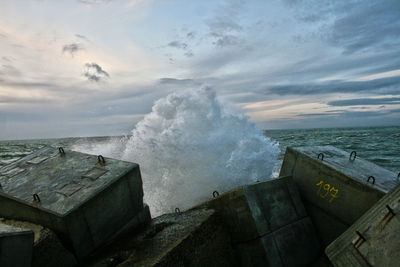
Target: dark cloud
[
  {"x": 355, "y": 26},
  {"x": 225, "y": 28},
  {"x": 314, "y": 114},
  {"x": 72, "y": 48},
  {"x": 353, "y": 113},
  {"x": 223, "y": 40},
  {"x": 80, "y": 36},
  {"x": 389, "y": 85},
  {"x": 94, "y": 2},
  {"x": 191, "y": 35},
  {"x": 175, "y": 81},
  {"x": 178, "y": 44},
  {"x": 182, "y": 46},
  {"x": 27, "y": 100},
  {"x": 94, "y": 72},
  {"x": 365, "y": 101},
  {"x": 8, "y": 69},
  {"x": 27, "y": 84},
  {"x": 189, "y": 54},
  {"x": 367, "y": 25}
]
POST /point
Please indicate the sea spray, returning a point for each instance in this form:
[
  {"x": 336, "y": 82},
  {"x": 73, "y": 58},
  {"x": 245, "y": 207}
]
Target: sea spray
[{"x": 189, "y": 146}]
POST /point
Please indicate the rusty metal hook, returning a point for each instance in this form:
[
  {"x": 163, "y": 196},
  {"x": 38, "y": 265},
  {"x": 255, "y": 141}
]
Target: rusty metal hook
[
  {"x": 391, "y": 211},
  {"x": 61, "y": 150},
  {"x": 215, "y": 193},
  {"x": 322, "y": 156},
  {"x": 360, "y": 240},
  {"x": 101, "y": 159},
  {"x": 351, "y": 154},
  {"x": 373, "y": 179},
  {"x": 36, "y": 198}
]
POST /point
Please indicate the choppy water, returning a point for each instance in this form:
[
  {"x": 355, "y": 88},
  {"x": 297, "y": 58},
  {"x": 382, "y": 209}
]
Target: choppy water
[{"x": 380, "y": 145}]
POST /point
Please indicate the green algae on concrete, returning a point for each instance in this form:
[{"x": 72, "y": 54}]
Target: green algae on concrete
[
  {"x": 373, "y": 240},
  {"x": 85, "y": 199},
  {"x": 15, "y": 246},
  {"x": 334, "y": 186},
  {"x": 268, "y": 224}
]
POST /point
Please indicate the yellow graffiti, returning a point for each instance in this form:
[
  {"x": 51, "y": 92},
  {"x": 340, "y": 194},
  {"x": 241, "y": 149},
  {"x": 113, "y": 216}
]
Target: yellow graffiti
[{"x": 325, "y": 189}]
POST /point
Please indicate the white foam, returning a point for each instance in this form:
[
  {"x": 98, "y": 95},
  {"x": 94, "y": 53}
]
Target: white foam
[{"x": 189, "y": 146}]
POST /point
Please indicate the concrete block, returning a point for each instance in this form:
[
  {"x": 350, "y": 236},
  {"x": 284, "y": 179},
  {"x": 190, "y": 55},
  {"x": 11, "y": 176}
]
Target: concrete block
[
  {"x": 268, "y": 224},
  {"x": 85, "y": 199},
  {"x": 335, "y": 189},
  {"x": 292, "y": 245},
  {"x": 191, "y": 238},
  {"x": 47, "y": 248},
  {"x": 15, "y": 246},
  {"x": 373, "y": 240}
]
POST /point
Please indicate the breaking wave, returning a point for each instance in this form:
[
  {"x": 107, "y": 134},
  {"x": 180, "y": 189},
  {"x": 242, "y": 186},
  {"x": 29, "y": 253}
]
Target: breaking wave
[{"x": 189, "y": 146}]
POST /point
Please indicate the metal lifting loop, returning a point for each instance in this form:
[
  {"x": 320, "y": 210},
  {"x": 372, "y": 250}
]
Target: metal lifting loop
[
  {"x": 177, "y": 210},
  {"x": 36, "y": 198},
  {"x": 390, "y": 210},
  {"x": 322, "y": 156},
  {"x": 373, "y": 179},
  {"x": 215, "y": 193},
  {"x": 61, "y": 150},
  {"x": 351, "y": 154},
  {"x": 101, "y": 159},
  {"x": 361, "y": 239}
]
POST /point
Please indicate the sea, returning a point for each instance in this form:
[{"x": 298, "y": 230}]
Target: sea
[{"x": 380, "y": 145}]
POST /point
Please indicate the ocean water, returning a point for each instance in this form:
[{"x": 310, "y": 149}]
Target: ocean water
[
  {"x": 380, "y": 145},
  {"x": 191, "y": 144}
]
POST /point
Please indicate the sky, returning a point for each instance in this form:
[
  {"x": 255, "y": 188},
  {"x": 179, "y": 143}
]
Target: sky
[{"x": 95, "y": 68}]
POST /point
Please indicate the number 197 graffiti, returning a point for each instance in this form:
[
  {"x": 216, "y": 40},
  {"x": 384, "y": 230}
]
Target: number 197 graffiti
[{"x": 325, "y": 189}]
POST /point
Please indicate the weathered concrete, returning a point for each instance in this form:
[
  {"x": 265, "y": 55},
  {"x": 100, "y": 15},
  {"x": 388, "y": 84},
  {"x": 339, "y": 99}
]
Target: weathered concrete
[
  {"x": 191, "y": 238},
  {"x": 84, "y": 200},
  {"x": 47, "y": 248},
  {"x": 374, "y": 239},
  {"x": 335, "y": 190},
  {"x": 15, "y": 246},
  {"x": 268, "y": 224}
]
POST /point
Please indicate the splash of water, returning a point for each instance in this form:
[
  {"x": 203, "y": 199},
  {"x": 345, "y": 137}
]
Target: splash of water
[{"x": 189, "y": 146}]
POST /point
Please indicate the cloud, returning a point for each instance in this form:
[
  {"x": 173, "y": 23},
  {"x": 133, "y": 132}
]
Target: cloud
[
  {"x": 6, "y": 59},
  {"x": 224, "y": 28},
  {"x": 178, "y": 44},
  {"x": 94, "y": 72},
  {"x": 81, "y": 36},
  {"x": 175, "y": 81},
  {"x": 223, "y": 40},
  {"x": 8, "y": 69},
  {"x": 27, "y": 84},
  {"x": 354, "y": 26},
  {"x": 378, "y": 86},
  {"x": 365, "y": 26},
  {"x": 191, "y": 35},
  {"x": 365, "y": 101},
  {"x": 72, "y": 48},
  {"x": 94, "y": 2},
  {"x": 182, "y": 46}
]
